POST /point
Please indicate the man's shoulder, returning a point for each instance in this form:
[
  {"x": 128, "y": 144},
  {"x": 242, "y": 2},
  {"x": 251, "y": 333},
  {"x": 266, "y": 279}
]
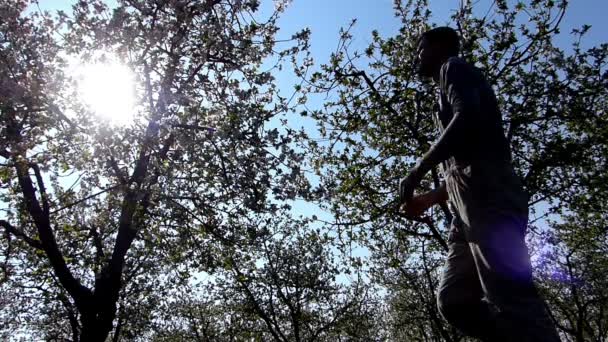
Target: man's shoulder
[
  {"x": 455, "y": 61},
  {"x": 455, "y": 67}
]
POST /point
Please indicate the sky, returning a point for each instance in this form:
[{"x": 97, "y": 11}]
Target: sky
[{"x": 325, "y": 18}]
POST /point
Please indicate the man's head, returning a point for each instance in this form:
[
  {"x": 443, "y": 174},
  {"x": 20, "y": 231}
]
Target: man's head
[{"x": 434, "y": 48}]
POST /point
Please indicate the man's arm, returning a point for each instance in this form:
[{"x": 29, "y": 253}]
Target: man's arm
[
  {"x": 459, "y": 84},
  {"x": 421, "y": 203}
]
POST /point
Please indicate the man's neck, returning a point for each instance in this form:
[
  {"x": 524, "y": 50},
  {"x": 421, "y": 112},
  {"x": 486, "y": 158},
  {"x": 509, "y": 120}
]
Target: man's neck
[{"x": 436, "y": 75}]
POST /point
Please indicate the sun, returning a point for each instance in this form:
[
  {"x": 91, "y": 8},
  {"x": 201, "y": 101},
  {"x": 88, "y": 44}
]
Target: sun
[{"x": 108, "y": 89}]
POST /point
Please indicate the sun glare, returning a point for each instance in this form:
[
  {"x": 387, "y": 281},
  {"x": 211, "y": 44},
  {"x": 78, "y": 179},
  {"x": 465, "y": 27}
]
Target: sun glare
[{"x": 109, "y": 90}]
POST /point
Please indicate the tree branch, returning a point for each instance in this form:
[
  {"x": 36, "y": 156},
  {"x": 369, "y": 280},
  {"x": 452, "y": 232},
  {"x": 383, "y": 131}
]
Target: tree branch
[
  {"x": 47, "y": 238},
  {"x": 41, "y": 188},
  {"x": 84, "y": 199},
  {"x": 21, "y": 235},
  {"x": 278, "y": 335}
]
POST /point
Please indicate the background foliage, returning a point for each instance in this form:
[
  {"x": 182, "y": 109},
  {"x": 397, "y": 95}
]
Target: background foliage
[{"x": 181, "y": 225}]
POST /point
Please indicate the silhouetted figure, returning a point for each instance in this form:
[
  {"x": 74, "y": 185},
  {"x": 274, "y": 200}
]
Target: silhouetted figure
[{"x": 486, "y": 289}]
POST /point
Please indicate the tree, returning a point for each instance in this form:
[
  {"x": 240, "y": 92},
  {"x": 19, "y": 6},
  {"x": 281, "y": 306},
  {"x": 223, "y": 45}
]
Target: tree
[
  {"x": 197, "y": 158},
  {"x": 282, "y": 286},
  {"x": 572, "y": 266},
  {"x": 379, "y": 120},
  {"x": 180, "y": 225}
]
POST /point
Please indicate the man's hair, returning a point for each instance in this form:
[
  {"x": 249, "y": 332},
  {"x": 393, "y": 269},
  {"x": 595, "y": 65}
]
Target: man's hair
[{"x": 446, "y": 36}]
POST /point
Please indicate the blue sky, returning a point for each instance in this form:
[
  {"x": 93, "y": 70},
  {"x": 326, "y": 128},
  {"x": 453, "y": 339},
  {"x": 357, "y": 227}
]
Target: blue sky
[{"x": 326, "y": 17}]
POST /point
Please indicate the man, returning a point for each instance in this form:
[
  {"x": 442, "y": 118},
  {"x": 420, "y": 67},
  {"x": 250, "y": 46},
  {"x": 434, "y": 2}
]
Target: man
[{"x": 486, "y": 289}]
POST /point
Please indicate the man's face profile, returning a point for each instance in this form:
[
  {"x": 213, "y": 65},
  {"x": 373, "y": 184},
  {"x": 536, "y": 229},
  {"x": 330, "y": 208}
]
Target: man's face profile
[{"x": 427, "y": 59}]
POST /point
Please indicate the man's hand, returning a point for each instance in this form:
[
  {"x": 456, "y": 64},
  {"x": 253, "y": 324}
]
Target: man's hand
[
  {"x": 419, "y": 204},
  {"x": 408, "y": 184}
]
